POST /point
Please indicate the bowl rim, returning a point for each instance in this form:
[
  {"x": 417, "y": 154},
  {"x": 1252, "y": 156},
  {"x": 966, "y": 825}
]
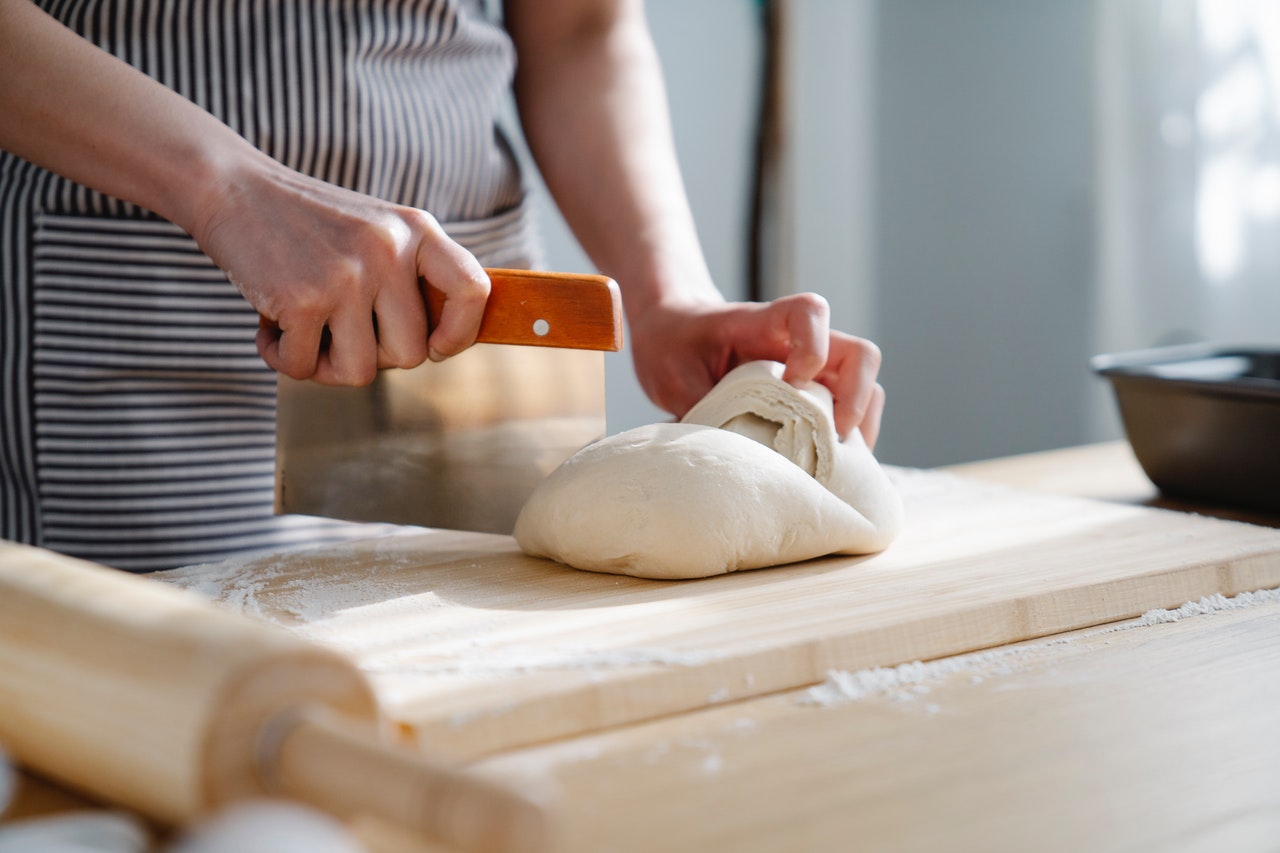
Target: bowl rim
[{"x": 1140, "y": 366}]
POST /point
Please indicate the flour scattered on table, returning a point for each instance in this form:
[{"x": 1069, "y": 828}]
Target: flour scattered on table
[
  {"x": 656, "y": 752},
  {"x": 710, "y": 762},
  {"x": 489, "y": 712},
  {"x": 505, "y": 660},
  {"x": 909, "y": 681},
  {"x": 1204, "y": 607}
]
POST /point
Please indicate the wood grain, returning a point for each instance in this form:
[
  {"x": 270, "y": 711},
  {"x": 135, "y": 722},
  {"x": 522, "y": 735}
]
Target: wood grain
[
  {"x": 547, "y": 309},
  {"x": 1106, "y": 471},
  {"x": 474, "y": 647},
  {"x": 151, "y": 698},
  {"x": 1148, "y": 740}
]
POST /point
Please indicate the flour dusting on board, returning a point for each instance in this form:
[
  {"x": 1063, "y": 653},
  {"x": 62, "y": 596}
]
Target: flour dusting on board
[
  {"x": 909, "y": 681},
  {"x": 244, "y": 584},
  {"x": 374, "y": 602},
  {"x": 507, "y": 661}
]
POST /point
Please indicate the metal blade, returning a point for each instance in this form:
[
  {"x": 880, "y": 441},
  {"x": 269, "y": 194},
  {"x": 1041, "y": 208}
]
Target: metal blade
[{"x": 460, "y": 444}]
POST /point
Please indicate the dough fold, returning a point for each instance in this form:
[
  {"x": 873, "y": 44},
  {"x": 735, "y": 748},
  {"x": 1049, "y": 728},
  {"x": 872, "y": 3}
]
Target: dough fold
[
  {"x": 753, "y": 400},
  {"x": 754, "y": 476}
]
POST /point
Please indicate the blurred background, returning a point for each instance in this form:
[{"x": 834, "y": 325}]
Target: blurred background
[{"x": 992, "y": 190}]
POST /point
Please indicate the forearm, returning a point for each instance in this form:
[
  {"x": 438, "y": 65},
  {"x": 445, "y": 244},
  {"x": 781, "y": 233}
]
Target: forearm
[
  {"x": 80, "y": 112},
  {"x": 594, "y": 110},
  {"x": 312, "y": 258}
]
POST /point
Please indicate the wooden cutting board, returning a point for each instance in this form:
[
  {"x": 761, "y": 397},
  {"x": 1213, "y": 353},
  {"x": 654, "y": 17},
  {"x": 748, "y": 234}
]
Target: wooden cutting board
[{"x": 474, "y": 647}]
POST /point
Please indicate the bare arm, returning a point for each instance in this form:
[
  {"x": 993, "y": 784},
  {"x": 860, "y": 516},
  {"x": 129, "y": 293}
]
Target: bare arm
[
  {"x": 304, "y": 253},
  {"x": 80, "y": 112},
  {"x": 594, "y": 110}
]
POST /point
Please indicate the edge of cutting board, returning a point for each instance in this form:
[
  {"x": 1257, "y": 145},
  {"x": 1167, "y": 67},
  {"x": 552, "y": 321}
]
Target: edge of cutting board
[{"x": 474, "y": 647}]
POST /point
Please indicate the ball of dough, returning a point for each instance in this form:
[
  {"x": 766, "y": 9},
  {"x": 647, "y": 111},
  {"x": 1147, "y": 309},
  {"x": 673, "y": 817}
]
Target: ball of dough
[
  {"x": 798, "y": 422},
  {"x": 693, "y": 499},
  {"x": 683, "y": 501}
]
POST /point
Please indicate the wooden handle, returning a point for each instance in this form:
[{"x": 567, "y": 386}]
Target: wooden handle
[
  {"x": 547, "y": 309},
  {"x": 336, "y": 764},
  {"x": 541, "y": 309}
]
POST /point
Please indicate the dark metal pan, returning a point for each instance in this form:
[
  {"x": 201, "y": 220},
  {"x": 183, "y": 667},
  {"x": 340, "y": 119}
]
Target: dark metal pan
[{"x": 1203, "y": 420}]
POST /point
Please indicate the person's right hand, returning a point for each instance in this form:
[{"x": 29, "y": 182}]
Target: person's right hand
[{"x": 311, "y": 257}]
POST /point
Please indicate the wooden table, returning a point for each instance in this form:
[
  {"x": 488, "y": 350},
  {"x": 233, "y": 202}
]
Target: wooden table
[
  {"x": 1160, "y": 737},
  {"x": 1128, "y": 737}
]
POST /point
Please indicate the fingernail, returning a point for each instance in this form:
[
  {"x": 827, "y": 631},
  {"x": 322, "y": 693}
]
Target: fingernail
[{"x": 435, "y": 355}]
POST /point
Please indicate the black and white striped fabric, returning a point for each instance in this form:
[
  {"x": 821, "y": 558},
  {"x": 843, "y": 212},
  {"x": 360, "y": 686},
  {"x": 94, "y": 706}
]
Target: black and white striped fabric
[{"x": 137, "y": 426}]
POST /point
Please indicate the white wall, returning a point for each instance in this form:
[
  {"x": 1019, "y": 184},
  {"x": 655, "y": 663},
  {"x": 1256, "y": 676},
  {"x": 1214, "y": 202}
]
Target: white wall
[
  {"x": 1188, "y": 142},
  {"x": 984, "y": 226}
]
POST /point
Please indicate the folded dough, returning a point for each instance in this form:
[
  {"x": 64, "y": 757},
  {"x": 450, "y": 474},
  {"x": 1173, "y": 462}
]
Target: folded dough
[
  {"x": 798, "y": 423},
  {"x": 753, "y": 476}
]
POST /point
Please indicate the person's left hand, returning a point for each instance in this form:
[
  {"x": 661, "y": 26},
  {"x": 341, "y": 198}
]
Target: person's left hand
[{"x": 681, "y": 351}]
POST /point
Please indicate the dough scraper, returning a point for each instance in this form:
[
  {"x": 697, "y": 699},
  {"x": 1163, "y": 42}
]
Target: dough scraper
[{"x": 458, "y": 444}]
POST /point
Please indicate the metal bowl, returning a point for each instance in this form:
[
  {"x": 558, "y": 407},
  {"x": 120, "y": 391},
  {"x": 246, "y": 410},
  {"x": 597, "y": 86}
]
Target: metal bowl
[{"x": 1204, "y": 421}]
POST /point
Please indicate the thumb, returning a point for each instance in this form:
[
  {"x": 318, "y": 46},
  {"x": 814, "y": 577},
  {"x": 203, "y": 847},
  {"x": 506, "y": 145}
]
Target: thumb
[{"x": 456, "y": 288}]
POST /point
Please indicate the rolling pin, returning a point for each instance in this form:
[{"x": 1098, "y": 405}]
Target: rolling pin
[{"x": 153, "y": 698}]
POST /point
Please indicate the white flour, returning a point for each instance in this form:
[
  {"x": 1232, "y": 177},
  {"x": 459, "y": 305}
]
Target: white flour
[
  {"x": 506, "y": 661},
  {"x": 288, "y": 588},
  {"x": 396, "y": 631},
  {"x": 1208, "y": 605},
  {"x": 909, "y": 681}
]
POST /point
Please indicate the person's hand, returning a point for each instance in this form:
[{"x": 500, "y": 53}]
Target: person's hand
[
  {"x": 681, "y": 351},
  {"x": 336, "y": 276}
]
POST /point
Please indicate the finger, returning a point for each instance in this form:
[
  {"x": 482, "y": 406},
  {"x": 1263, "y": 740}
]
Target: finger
[
  {"x": 851, "y": 374},
  {"x": 352, "y": 355},
  {"x": 401, "y": 327},
  {"x": 808, "y": 330},
  {"x": 453, "y": 271},
  {"x": 870, "y": 426},
  {"x": 792, "y": 330},
  {"x": 292, "y": 351}
]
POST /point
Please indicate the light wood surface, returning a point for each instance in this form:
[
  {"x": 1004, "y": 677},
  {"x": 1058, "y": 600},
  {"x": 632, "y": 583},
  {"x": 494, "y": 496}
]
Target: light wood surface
[
  {"x": 1154, "y": 737},
  {"x": 1150, "y": 740},
  {"x": 1158, "y": 738},
  {"x": 475, "y": 648},
  {"x": 1107, "y": 471}
]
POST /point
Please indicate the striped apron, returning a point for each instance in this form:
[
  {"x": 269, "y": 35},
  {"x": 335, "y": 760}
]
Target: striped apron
[{"x": 137, "y": 426}]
